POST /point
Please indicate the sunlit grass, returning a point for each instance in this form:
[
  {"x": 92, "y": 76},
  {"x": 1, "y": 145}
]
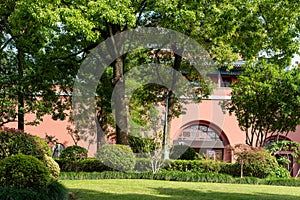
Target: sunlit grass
[{"x": 153, "y": 189}]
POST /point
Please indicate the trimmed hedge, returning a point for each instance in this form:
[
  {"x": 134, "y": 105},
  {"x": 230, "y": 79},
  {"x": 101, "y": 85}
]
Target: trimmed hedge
[
  {"x": 13, "y": 141},
  {"x": 177, "y": 176},
  {"x": 116, "y": 156},
  {"x": 87, "y": 165},
  {"x": 74, "y": 153},
  {"x": 53, "y": 191},
  {"x": 194, "y": 165},
  {"x": 23, "y": 171},
  {"x": 144, "y": 165},
  {"x": 162, "y": 175}
]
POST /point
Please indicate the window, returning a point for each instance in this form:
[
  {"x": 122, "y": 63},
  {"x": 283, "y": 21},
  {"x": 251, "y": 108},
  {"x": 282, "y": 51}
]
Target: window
[
  {"x": 200, "y": 133},
  {"x": 226, "y": 81},
  {"x": 204, "y": 139}
]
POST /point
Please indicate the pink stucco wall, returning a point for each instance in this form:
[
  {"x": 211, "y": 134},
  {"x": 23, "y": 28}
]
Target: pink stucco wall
[{"x": 209, "y": 110}]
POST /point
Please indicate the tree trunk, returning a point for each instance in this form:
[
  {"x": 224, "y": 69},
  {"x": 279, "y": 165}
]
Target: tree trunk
[
  {"x": 119, "y": 98},
  {"x": 171, "y": 95},
  {"x": 20, "y": 91}
]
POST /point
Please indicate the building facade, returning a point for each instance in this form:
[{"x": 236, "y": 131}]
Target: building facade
[{"x": 204, "y": 126}]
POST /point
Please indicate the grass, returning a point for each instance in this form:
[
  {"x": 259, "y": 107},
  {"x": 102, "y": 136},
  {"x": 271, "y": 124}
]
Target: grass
[{"x": 152, "y": 189}]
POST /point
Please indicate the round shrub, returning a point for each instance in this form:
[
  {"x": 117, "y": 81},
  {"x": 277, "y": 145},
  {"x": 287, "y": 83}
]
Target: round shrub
[
  {"x": 183, "y": 152},
  {"x": 118, "y": 157},
  {"x": 52, "y": 166},
  {"x": 44, "y": 145},
  {"x": 13, "y": 141},
  {"x": 258, "y": 163},
  {"x": 23, "y": 171},
  {"x": 74, "y": 153}
]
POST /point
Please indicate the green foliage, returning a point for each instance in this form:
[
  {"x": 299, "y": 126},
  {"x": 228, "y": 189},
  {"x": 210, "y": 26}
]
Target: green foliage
[
  {"x": 203, "y": 166},
  {"x": 233, "y": 169},
  {"x": 31, "y": 71},
  {"x": 183, "y": 152},
  {"x": 87, "y": 165},
  {"x": 161, "y": 175},
  {"x": 143, "y": 164},
  {"x": 142, "y": 147},
  {"x": 254, "y": 161},
  {"x": 74, "y": 153},
  {"x": 23, "y": 171},
  {"x": 282, "y": 181},
  {"x": 190, "y": 176},
  {"x": 13, "y": 141},
  {"x": 44, "y": 145},
  {"x": 257, "y": 163},
  {"x": 265, "y": 101},
  {"x": 247, "y": 180},
  {"x": 52, "y": 166},
  {"x": 280, "y": 172},
  {"x": 283, "y": 145},
  {"x": 118, "y": 157},
  {"x": 53, "y": 191}
]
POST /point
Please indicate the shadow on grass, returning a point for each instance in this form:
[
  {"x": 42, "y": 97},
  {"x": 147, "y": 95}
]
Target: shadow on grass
[{"x": 185, "y": 194}]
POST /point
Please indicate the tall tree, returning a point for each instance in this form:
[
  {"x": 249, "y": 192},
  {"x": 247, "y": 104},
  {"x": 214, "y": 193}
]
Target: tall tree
[
  {"x": 30, "y": 79},
  {"x": 225, "y": 29},
  {"x": 265, "y": 100}
]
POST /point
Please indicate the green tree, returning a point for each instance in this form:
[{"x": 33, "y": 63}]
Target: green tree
[
  {"x": 265, "y": 100},
  {"x": 66, "y": 31},
  {"x": 31, "y": 74}
]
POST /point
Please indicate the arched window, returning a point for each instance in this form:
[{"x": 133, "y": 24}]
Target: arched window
[
  {"x": 204, "y": 138},
  {"x": 199, "y": 133}
]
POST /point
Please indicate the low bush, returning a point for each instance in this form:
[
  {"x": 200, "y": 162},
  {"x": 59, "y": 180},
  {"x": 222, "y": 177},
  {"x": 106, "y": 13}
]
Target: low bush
[
  {"x": 143, "y": 165},
  {"x": 194, "y": 165},
  {"x": 183, "y": 152},
  {"x": 233, "y": 169},
  {"x": 53, "y": 191},
  {"x": 118, "y": 157},
  {"x": 161, "y": 175},
  {"x": 248, "y": 180},
  {"x": 189, "y": 176},
  {"x": 280, "y": 172},
  {"x": 74, "y": 153},
  {"x": 13, "y": 141},
  {"x": 87, "y": 165},
  {"x": 52, "y": 166},
  {"x": 23, "y": 171},
  {"x": 255, "y": 161},
  {"x": 282, "y": 181},
  {"x": 142, "y": 147}
]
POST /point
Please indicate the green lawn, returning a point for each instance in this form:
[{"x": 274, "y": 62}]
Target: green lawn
[{"x": 124, "y": 189}]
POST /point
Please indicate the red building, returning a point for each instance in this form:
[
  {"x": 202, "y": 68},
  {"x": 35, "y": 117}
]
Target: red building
[{"x": 205, "y": 127}]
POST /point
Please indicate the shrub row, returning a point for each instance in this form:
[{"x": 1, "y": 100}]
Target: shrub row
[
  {"x": 95, "y": 165},
  {"x": 233, "y": 169},
  {"x": 188, "y": 176},
  {"x": 162, "y": 175},
  {"x": 202, "y": 166},
  {"x": 87, "y": 165},
  {"x": 194, "y": 165}
]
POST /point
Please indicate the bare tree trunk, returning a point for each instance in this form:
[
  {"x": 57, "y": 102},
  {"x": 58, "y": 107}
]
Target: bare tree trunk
[
  {"x": 119, "y": 98},
  {"x": 20, "y": 91}
]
